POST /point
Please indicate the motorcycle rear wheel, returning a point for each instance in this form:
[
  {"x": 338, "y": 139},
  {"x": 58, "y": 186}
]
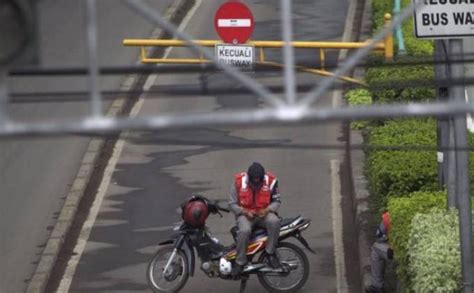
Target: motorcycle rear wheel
[
  {"x": 160, "y": 282},
  {"x": 284, "y": 284}
]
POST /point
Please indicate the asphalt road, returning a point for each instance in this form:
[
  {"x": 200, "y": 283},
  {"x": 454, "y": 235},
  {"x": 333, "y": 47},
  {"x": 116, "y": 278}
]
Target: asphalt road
[
  {"x": 156, "y": 171},
  {"x": 35, "y": 174}
]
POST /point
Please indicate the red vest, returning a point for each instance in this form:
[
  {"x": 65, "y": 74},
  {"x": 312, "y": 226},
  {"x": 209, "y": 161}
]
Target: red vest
[
  {"x": 246, "y": 194},
  {"x": 386, "y": 222}
]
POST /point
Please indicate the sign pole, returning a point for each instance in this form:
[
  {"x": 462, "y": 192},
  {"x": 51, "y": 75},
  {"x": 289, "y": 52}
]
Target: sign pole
[
  {"x": 442, "y": 123},
  {"x": 462, "y": 165}
]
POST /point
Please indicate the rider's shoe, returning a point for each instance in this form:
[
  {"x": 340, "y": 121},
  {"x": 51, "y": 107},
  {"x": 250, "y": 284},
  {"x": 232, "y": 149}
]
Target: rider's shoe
[
  {"x": 273, "y": 261},
  {"x": 237, "y": 270}
]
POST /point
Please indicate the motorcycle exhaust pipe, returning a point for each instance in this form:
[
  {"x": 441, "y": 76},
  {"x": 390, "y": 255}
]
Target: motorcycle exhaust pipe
[
  {"x": 266, "y": 269},
  {"x": 253, "y": 267},
  {"x": 283, "y": 269}
]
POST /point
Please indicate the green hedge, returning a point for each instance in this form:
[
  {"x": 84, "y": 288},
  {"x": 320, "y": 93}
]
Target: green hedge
[
  {"x": 358, "y": 97},
  {"x": 434, "y": 253},
  {"x": 402, "y": 210},
  {"x": 395, "y": 172},
  {"x": 395, "y": 74}
]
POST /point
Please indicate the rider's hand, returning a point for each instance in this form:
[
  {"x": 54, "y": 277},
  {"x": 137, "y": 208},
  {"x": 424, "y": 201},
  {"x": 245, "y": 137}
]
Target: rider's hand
[
  {"x": 263, "y": 212},
  {"x": 249, "y": 214}
]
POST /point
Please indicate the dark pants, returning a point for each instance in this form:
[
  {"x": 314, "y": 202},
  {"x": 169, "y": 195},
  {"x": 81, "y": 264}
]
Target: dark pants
[
  {"x": 270, "y": 222},
  {"x": 379, "y": 257}
]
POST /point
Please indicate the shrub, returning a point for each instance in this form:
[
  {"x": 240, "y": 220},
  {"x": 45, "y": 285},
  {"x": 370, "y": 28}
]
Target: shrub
[
  {"x": 402, "y": 210},
  {"x": 396, "y": 172},
  {"x": 359, "y": 97},
  {"x": 395, "y": 74},
  {"x": 434, "y": 252}
]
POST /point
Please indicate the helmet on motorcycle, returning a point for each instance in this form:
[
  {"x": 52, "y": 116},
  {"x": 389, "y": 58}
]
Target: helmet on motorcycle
[
  {"x": 256, "y": 174},
  {"x": 195, "y": 212}
]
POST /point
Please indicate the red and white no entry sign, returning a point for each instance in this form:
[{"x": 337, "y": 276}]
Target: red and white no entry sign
[{"x": 234, "y": 22}]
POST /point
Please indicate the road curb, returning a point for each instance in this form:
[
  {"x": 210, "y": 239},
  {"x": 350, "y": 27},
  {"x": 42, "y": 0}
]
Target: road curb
[
  {"x": 360, "y": 191},
  {"x": 90, "y": 160},
  {"x": 356, "y": 26}
]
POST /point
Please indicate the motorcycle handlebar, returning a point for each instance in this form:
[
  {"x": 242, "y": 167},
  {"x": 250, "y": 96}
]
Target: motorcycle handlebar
[
  {"x": 224, "y": 210},
  {"x": 217, "y": 207}
]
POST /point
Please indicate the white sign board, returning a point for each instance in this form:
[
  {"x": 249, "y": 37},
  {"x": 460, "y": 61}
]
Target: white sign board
[
  {"x": 240, "y": 56},
  {"x": 239, "y": 22},
  {"x": 444, "y": 18}
]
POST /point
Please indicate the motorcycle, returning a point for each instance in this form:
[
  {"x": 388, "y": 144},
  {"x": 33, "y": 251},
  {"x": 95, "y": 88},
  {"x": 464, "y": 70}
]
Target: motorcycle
[{"x": 174, "y": 262}]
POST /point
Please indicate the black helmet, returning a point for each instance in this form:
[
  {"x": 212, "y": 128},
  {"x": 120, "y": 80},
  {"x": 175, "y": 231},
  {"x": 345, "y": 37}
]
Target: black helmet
[{"x": 256, "y": 173}]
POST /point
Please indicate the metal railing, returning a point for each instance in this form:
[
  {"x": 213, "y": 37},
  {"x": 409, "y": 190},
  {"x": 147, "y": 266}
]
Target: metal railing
[
  {"x": 322, "y": 47},
  {"x": 386, "y": 46}
]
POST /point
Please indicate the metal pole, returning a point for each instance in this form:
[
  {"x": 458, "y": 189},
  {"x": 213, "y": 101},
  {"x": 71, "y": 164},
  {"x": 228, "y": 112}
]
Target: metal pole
[
  {"x": 462, "y": 167},
  {"x": 442, "y": 122},
  {"x": 287, "y": 31},
  {"x": 451, "y": 167},
  {"x": 3, "y": 94},
  {"x": 91, "y": 22},
  {"x": 398, "y": 31}
]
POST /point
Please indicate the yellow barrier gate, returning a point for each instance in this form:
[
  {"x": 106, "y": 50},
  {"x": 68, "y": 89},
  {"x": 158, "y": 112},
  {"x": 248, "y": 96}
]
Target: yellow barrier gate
[{"x": 386, "y": 47}]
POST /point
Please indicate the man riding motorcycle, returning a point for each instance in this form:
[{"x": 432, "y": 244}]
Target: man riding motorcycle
[{"x": 255, "y": 199}]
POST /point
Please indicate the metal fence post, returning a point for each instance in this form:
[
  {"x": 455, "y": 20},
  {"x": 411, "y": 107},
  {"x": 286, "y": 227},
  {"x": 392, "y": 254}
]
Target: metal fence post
[
  {"x": 462, "y": 166},
  {"x": 3, "y": 94},
  {"x": 451, "y": 167},
  {"x": 388, "y": 38},
  {"x": 398, "y": 30},
  {"x": 442, "y": 122}
]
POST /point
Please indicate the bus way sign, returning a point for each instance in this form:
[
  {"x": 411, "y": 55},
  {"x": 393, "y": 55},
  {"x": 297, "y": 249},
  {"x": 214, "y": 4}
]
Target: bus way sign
[
  {"x": 444, "y": 18},
  {"x": 240, "y": 56}
]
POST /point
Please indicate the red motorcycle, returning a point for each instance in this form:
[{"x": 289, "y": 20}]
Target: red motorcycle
[{"x": 175, "y": 260}]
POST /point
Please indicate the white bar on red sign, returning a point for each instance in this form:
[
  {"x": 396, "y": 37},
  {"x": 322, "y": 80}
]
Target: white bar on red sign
[{"x": 242, "y": 22}]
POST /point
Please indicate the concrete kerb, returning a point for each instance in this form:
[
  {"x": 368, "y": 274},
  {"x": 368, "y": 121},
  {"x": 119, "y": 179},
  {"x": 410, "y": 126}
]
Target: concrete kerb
[
  {"x": 67, "y": 215},
  {"x": 356, "y": 24},
  {"x": 360, "y": 192}
]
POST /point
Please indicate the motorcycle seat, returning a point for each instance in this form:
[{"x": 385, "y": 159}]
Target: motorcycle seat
[
  {"x": 287, "y": 221},
  {"x": 235, "y": 231}
]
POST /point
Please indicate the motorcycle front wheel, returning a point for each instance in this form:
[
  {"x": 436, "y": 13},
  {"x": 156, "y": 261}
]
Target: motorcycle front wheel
[
  {"x": 175, "y": 276},
  {"x": 289, "y": 255}
]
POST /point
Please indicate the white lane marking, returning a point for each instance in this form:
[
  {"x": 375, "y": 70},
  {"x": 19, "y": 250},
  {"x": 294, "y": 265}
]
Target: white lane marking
[
  {"x": 239, "y": 22},
  {"x": 109, "y": 170},
  {"x": 337, "y": 227}
]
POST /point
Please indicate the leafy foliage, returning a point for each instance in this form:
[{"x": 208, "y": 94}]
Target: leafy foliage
[
  {"x": 395, "y": 172},
  {"x": 359, "y": 97},
  {"x": 402, "y": 211},
  {"x": 391, "y": 75},
  {"x": 434, "y": 252}
]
